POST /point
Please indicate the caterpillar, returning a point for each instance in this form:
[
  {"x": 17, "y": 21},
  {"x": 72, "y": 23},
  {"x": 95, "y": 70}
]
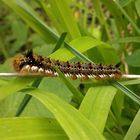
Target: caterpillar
[{"x": 33, "y": 63}]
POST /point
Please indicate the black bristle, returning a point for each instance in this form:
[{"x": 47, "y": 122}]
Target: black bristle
[
  {"x": 118, "y": 65},
  {"x": 29, "y": 53},
  {"x": 30, "y": 58}
]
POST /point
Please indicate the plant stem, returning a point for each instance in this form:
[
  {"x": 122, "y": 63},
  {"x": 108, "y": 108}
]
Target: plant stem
[{"x": 127, "y": 17}]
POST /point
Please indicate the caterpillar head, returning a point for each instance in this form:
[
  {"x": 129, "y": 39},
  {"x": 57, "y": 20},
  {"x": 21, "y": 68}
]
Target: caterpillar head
[{"x": 24, "y": 59}]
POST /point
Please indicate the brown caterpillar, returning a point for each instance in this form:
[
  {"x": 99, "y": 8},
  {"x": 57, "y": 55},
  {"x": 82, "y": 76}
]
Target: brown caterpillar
[{"x": 33, "y": 63}]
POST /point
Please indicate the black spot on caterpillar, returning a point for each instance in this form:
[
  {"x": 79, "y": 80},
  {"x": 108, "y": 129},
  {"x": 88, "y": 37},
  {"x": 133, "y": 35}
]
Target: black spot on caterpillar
[{"x": 33, "y": 63}]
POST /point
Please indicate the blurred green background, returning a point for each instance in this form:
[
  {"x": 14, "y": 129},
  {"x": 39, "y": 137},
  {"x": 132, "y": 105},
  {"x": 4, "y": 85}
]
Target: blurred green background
[{"x": 102, "y": 31}]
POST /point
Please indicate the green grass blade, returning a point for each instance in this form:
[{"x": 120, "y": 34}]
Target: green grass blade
[
  {"x": 131, "y": 82},
  {"x": 134, "y": 129},
  {"x": 128, "y": 17},
  {"x": 69, "y": 118},
  {"x": 27, "y": 98},
  {"x": 62, "y": 18},
  {"x": 127, "y": 40},
  {"x": 76, "y": 93},
  {"x": 29, "y": 16},
  {"x": 124, "y": 3},
  {"x": 96, "y": 105},
  {"x": 78, "y": 46},
  {"x": 14, "y": 86},
  {"x": 31, "y": 128},
  {"x": 111, "y": 6},
  {"x": 60, "y": 41},
  {"x": 23, "y": 104},
  {"x": 128, "y": 92},
  {"x": 76, "y": 53},
  {"x": 137, "y": 6},
  {"x": 101, "y": 16}
]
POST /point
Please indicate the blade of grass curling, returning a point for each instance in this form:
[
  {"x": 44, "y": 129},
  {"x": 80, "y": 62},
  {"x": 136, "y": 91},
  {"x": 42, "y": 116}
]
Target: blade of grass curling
[
  {"x": 25, "y": 128},
  {"x": 125, "y": 90},
  {"x": 76, "y": 93},
  {"x": 96, "y": 105},
  {"x": 71, "y": 120},
  {"x": 134, "y": 129},
  {"x": 14, "y": 86},
  {"x": 27, "y": 97}
]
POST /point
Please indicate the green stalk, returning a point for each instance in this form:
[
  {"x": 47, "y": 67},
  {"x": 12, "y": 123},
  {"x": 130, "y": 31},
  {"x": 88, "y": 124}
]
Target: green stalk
[
  {"x": 127, "y": 91},
  {"x": 101, "y": 16},
  {"x": 27, "y": 97},
  {"x": 127, "y": 17}
]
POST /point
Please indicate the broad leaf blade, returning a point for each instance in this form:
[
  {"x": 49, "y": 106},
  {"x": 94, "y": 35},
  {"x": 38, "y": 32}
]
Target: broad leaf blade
[
  {"x": 76, "y": 93},
  {"x": 96, "y": 105},
  {"x": 69, "y": 118},
  {"x": 31, "y": 128},
  {"x": 14, "y": 86},
  {"x": 134, "y": 129},
  {"x": 81, "y": 44}
]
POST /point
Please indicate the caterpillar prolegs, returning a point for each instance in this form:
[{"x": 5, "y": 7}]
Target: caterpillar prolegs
[{"x": 33, "y": 63}]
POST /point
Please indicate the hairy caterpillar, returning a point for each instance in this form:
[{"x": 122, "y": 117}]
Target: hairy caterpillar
[{"x": 33, "y": 63}]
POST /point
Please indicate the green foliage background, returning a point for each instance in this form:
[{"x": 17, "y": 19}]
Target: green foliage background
[{"x": 102, "y": 31}]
